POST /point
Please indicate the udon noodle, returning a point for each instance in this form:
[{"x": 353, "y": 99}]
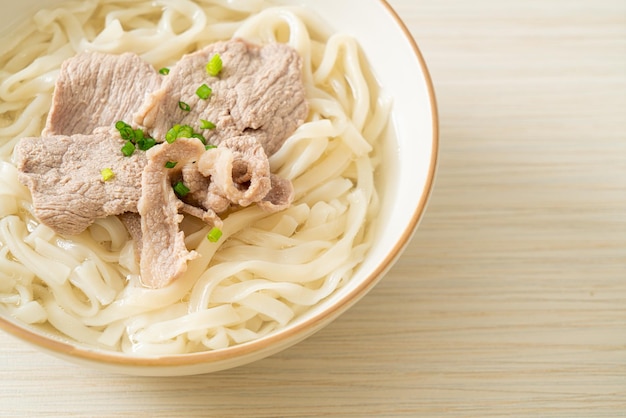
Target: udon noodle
[{"x": 268, "y": 269}]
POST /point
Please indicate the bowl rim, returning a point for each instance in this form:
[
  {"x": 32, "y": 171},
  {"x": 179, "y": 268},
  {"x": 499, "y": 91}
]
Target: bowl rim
[{"x": 283, "y": 337}]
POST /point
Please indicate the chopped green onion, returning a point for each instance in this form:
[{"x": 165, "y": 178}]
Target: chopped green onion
[
  {"x": 170, "y": 164},
  {"x": 164, "y": 71},
  {"x": 200, "y": 137},
  {"x": 214, "y": 66},
  {"x": 120, "y": 124},
  {"x": 178, "y": 131},
  {"x": 184, "y": 106},
  {"x": 204, "y": 92},
  {"x": 180, "y": 189},
  {"x": 172, "y": 134},
  {"x": 210, "y": 146},
  {"x": 205, "y": 124},
  {"x": 107, "y": 174},
  {"x": 214, "y": 234},
  {"x": 128, "y": 149},
  {"x": 185, "y": 131},
  {"x": 126, "y": 131},
  {"x": 145, "y": 144}
]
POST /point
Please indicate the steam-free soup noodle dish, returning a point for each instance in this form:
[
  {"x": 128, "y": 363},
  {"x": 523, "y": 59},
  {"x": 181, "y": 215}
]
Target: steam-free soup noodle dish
[{"x": 182, "y": 176}]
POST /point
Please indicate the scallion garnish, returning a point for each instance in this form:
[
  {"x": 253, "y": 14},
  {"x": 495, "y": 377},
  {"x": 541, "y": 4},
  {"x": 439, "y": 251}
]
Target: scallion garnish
[
  {"x": 180, "y": 189},
  {"x": 200, "y": 137},
  {"x": 172, "y": 134},
  {"x": 128, "y": 149},
  {"x": 204, "y": 92},
  {"x": 184, "y": 106},
  {"x": 185, "y": 131},
  {"x": 107, "y": 174},
  {"x": 179, "y": 131},
  {"x": 134, "y": 136},
  {"x": 170, "y": 164},
  {"x": 126, "y": 131},
  {"x": 145, "y": 144},
  {"x": 210, "y": 146},
  {"x": 214, "y": 66},
  {"x": 214, "y": 234},
  {"x": 205, "y": 124},
  {"x": 164, "y": 71}
]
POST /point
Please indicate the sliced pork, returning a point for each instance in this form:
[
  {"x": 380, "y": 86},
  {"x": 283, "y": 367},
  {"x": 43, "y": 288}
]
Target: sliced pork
[
  {"x": 64, "y": 176},
  {"x": 239, "y": 169},
  {"x": 96, "y": 89},
  {"x": 280, "y": 196},
  {"x": 164, "y": 255},
  {"x": 198, "y": 202},
  {"x": 259, "y": 91},
  {"x": 257, "y": 101}
]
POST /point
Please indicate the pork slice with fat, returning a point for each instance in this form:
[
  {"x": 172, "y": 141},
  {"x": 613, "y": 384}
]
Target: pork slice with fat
[
  {"x": 239, "y": 170},
  {"x": 164, "y": 255},
  {"x": 280, "y": 196}
]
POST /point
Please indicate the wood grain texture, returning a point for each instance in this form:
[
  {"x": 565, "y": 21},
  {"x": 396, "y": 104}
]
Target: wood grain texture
[{"x": 511, "y": 298}]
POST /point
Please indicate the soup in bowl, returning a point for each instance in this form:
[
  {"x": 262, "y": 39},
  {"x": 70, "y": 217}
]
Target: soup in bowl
[{"x": 190, "y": 186}]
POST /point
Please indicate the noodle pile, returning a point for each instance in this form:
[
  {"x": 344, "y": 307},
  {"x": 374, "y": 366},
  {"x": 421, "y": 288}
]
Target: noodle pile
[{"x": 267, "y": 269}]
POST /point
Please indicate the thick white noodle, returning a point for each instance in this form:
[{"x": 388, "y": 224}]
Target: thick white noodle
[{"x": 268, "y": 268}]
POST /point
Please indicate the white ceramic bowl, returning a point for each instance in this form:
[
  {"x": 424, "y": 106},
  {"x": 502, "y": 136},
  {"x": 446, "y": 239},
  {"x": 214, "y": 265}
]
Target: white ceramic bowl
[{"x": 400, "y": 68}]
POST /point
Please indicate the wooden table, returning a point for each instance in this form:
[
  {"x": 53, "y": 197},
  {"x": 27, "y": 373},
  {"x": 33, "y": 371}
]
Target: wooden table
[{"x": 510, "y": 300}]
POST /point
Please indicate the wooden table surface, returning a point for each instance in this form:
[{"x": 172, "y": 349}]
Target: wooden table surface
[{"x": 511, "y": 298}]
